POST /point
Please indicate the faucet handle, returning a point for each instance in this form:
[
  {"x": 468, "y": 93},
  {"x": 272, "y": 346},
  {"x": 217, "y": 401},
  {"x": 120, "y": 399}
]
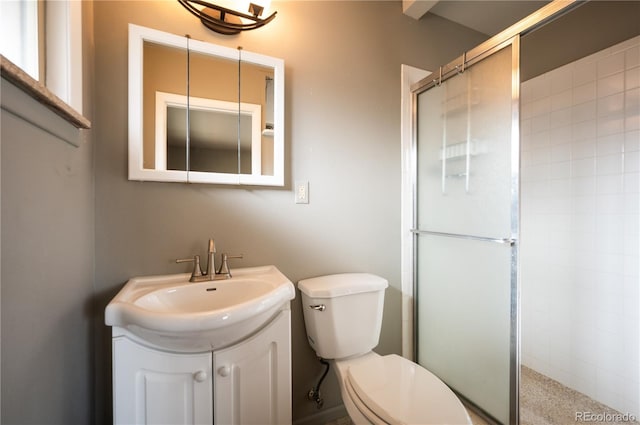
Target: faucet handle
[
  {"x": 224, "y": 264},
  {"x": 197, "y": 270}
]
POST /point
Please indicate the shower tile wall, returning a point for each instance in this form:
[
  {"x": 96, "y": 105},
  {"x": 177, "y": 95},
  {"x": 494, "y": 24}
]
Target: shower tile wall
[{"x": 581, "y": 225}]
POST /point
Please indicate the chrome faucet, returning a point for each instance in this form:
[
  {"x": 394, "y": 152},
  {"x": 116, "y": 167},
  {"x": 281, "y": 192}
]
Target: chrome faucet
[{"x": 223, "y": 272}]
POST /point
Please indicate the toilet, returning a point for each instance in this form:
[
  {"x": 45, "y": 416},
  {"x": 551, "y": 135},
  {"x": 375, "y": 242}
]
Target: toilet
[{"x": 343, "y": 318}]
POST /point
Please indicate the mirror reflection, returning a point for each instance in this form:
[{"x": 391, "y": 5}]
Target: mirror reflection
[
  {"x": 165, "y": 70},
  {"x": 208, "y": 112},
  {"x": 212, "y": 133},
  {"x": 255, "y": 83}
]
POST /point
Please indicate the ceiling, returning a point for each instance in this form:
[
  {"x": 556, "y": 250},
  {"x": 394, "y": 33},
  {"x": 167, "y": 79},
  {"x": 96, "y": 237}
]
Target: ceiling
[{"x": 487, "y": 17}]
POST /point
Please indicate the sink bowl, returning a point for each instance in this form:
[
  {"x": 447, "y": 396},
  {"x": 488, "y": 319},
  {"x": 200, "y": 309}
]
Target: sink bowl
[
  {"x": 172, "y": 313},
  {"x": 204, "y": 298}
]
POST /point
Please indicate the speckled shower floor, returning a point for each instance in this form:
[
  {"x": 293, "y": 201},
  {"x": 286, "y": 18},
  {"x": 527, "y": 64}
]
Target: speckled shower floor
[{"x": 544, "y": 401}]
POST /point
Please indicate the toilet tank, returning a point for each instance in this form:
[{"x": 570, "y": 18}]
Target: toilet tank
[{"x": 343, "y": 313}]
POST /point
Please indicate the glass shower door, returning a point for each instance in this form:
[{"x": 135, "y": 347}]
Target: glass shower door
[{"x": 466, "y": 232}]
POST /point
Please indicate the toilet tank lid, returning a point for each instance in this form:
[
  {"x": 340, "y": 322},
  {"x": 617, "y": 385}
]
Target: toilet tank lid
[{"x": 338, "y": 285}]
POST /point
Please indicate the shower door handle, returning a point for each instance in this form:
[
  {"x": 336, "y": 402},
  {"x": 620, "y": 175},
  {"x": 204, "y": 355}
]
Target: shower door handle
[{"x": 506, "y": 241}]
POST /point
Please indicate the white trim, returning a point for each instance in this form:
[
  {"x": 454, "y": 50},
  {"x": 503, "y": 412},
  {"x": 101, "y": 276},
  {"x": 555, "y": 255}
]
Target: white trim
[
  {"x": 409, "y": 76},
  {"x": 64, "y": 51}
]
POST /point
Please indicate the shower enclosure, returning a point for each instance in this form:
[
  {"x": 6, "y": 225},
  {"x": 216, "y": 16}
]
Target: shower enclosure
[
  {"x": 478, "y": 222},
  {"x": 466, "y": 227}
]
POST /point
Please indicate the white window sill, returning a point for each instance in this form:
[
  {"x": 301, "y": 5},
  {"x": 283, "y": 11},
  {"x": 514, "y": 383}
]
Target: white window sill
[{"x": 40, "y": 93}]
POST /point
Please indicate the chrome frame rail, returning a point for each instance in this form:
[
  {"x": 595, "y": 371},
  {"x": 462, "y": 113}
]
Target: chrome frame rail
[{"x": 508, "y": 241}]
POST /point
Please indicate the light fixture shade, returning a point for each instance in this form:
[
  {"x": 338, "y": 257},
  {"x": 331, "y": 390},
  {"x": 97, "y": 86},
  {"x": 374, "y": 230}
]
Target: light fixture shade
[{"x": 228, "y": 21}]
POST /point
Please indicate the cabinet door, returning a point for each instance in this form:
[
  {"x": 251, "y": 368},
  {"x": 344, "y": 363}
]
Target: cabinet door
[
  {"x": 253, "y": 379},
  {"x": 155, "y": 387}
]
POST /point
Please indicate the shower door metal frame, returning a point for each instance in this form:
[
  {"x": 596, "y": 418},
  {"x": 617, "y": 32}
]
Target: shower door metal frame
[
  {"x": 512, "y": 241},
  {"x": 510, "y": 36}
]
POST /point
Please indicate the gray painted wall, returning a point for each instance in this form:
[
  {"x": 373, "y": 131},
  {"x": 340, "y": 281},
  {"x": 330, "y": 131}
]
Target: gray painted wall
[
  {"x": 47, "y": 230},
  {"x": 342, "y": 135},
  {"x": 47, "y": 276}
]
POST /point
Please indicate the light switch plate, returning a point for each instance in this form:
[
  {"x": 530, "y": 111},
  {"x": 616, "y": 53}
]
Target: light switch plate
[{"x": 302, "y": 192}]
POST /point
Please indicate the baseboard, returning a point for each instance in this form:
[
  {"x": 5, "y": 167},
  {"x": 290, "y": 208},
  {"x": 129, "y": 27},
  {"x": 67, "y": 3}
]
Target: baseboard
[{"x": 324, "y": 416}]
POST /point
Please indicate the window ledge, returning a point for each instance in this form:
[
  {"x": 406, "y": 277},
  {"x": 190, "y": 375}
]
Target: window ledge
[{"x": 39, "y": 92}]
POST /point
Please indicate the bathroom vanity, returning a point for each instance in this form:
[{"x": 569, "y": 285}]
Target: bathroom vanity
[
  {"x": 248, "y": 382},
  {"x": 215, "y": 352}
]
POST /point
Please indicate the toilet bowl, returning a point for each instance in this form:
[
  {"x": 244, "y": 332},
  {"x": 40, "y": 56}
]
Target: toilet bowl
[
  {"x": 343, "y": 317},
  {"x": 393, "y": 390}
]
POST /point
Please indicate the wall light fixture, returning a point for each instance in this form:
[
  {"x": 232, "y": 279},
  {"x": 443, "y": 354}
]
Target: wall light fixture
[{"x": 227, "y": 21}]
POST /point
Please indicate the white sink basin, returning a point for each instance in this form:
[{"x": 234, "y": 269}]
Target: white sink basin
[{"x": 172, "y": 313}]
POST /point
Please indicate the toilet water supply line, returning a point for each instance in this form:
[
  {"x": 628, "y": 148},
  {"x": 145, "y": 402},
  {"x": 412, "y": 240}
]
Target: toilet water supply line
[{"x": 314, "y": 393}]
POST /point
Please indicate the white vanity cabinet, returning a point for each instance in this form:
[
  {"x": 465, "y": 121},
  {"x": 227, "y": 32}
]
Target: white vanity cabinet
[
  {"x": 156, "y": 387},
  {"x": 252, "y": 380},
  {"x": 246, "y": 383}
]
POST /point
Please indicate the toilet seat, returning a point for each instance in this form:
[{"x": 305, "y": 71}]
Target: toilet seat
[
  {"x": 393, "y": 390},
  {"x": 371, "y": 417}
]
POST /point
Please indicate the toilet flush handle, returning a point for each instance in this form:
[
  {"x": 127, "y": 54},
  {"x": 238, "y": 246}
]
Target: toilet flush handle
[{"x": 319, "y": 307}]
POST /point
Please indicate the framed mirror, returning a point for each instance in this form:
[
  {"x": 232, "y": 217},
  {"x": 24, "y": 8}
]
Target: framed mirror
[{"x": 203, "y": 113}]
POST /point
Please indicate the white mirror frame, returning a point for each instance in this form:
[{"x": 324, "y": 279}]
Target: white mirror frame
[{"x": 137, "y": 36}]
